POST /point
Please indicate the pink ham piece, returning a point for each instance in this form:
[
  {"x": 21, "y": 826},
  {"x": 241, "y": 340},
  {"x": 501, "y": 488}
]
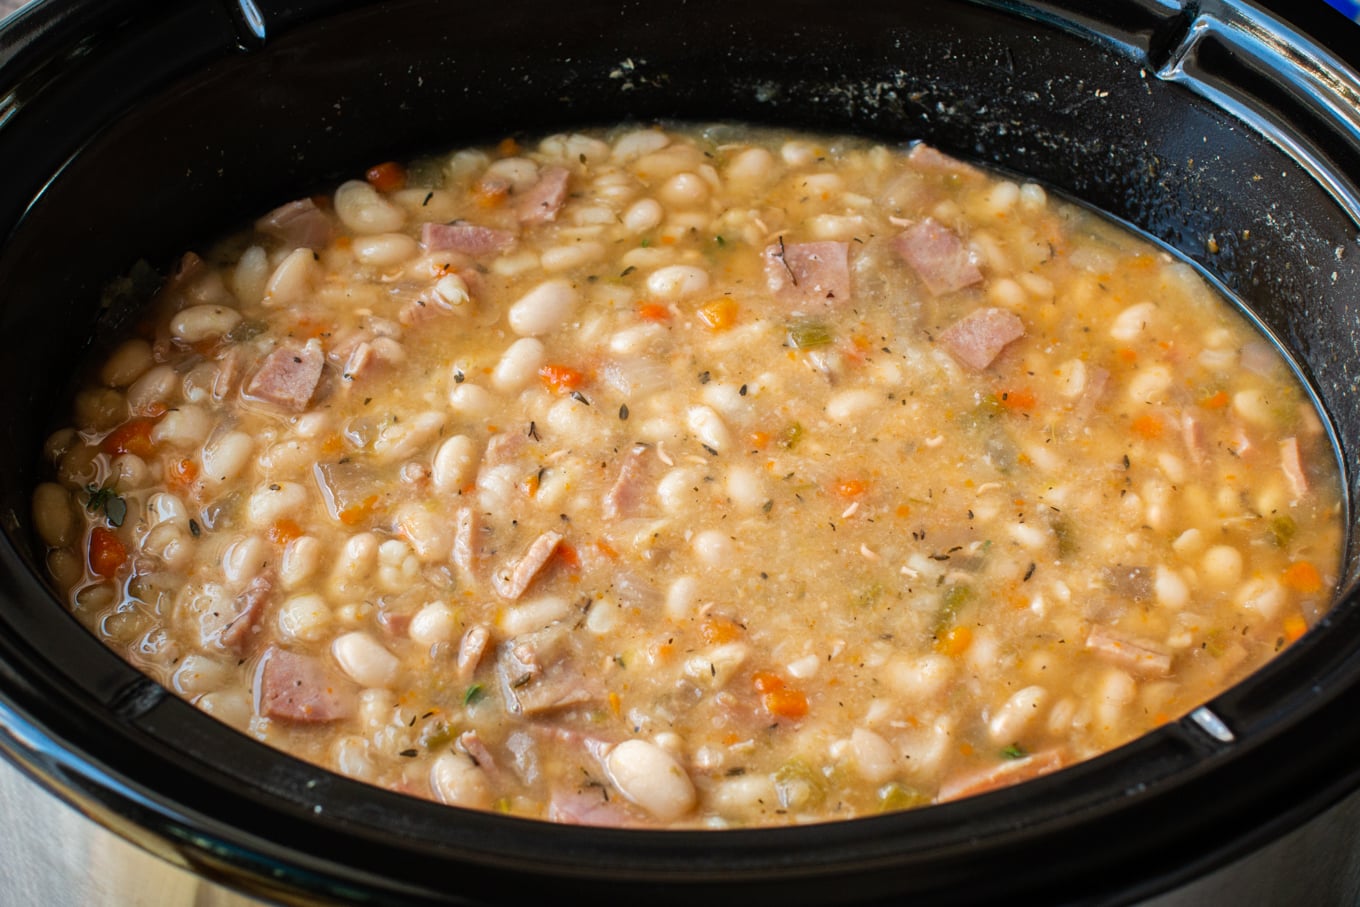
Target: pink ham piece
[
  {"x": 288, "y": 377},
  {"x": 808, "y": 273},
  {"x": 1142, "y": 656},
  {"x": 626, "y": 494},
  {"x": 540, "y": 202},
  {"x": 980, "y": 336},
  {"x": 1293, "y": 467},
  {"x": 511, "y": 581},
  {"x": 300, "y": 688},
  {"x": 469, "y": 239},
  {"x": 928, "y": 159},
  {"x": 231, "y": 625},
  {"x": 1001, "y": 775},
  {"x": 590, "y": 806},
  {"x": 300, "y": 224},
  {"x": 938, "y": 256},
  {"x": 467, "y": 545}
]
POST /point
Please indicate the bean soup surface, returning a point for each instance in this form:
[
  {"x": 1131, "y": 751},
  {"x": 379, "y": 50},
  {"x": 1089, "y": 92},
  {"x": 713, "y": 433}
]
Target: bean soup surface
[{"x": 691, "y": 477}]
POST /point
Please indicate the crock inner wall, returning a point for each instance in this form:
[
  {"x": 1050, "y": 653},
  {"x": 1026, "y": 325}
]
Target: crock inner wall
[{"x": 197, "y": 125}]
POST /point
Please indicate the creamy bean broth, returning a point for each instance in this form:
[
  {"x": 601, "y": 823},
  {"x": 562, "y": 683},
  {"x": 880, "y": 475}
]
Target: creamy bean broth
[{"x": 703, "y": 477}]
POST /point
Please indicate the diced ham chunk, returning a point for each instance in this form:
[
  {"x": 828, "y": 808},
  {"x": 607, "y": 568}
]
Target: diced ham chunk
[
  {"x": 467, "y": 545},
  {"x": 1192, "y": 434},
  {"x": 300, "y": 224},
  {"x": 589, "y": 806},
  {"x": 938, "y": 256},
  {"x": 231, "y": 625},
  {"x": 469, "y": 239},
  {"x": 808, "y": 273},
  {"x": 472, "y": 744},
  {"x": 288, "y": 377},
  {"x": 979, "y": 337},
  {"x": 300, "y": 688},
  {"x": 538, "y": 672},
  {"x": 623, "y": 497},
  {"x": 1293, "y": 467},
  {"x": 1142, "y": 656},
  {"x": 511, "y": 581},
  {"x": 928, "y": 159},
  {"x": 471, "y": 649},
  {"x": 1001, "y": 775},
  {"x": 540, "y": 202}
]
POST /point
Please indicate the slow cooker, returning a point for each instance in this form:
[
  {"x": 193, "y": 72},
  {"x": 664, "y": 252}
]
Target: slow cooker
[{"x": 1227, "y": 130}]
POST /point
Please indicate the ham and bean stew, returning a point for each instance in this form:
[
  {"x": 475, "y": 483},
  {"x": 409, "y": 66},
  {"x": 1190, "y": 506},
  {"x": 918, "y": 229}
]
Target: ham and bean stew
[{"x": 707, "y": 477}]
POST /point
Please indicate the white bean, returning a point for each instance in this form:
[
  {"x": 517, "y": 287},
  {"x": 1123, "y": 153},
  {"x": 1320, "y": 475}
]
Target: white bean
[
  {"x": 226, "y": 456},
  {"x": 301, "y": 559},
  {"x": 1131, "y": 322},
  {"x": 534, "y": 614},
  {"x": 171, "y": 544},
  {"x": 385, "y": 249},
  {"x": 519, "y": 365},
  {"x": 184, "y": 426},
  {"x": 457, "y": 781},
  {"x": 751, "y": 166},
  {"x": 53, "y": 515},
  {"x": 164, "y": 507},
  {"x": 250, "y": 276},
  {"x": 632, "y": 145},
  {"x": 849, "y": 405},
  {"x": 543, "y": 309},
  {"x": 520, "y": 172},
  {"x": 1221, "y": 565},
  {"x": 363, "y": 209},
  {"x": 157, "y": 386},
  {"x": 681, "y": 597},
  {"x": 1170, "y": 589},
  {"x": 920, "y": 678},
  {"x": 275, "y": 501},
  {"x": 429, "y": 531},
  {"x": 127, "y": 363},
  {"x": 365, "y": 660},
  {"x": 676, "y": 281},
  {"x": 245, "y": 558},
  {"x": 746, "y": 487},
  {"x": 676, "y": 489},
  {"x": 454, "y": 291},
  {"x": 713, "y": 547},
  {"x": 471, "y": 400},
  {"x": 708, "y": 427},
  {"x": 305, "y": 618},
  {"x": 203, "y": 322},
  {"x": 650, "y": 777},
  {"x": 574, "y": 255},
  {"x": 874, "y": 757},
  {"x": 643, "y": 215},
  {"x": 454, "y": 463},
  {"x": 433, "y": 623},
  {"x": 684, "y": 190},
  {"x": 200, "y": 674},
  {"x": 400, "y": 440},
  {"x": 1014, "y": 716},
  {"x": 294, "y": 280}
]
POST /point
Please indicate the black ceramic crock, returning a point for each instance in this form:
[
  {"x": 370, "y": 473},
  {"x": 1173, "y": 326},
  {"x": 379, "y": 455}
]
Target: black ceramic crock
[{"x": 130, "y": 128}]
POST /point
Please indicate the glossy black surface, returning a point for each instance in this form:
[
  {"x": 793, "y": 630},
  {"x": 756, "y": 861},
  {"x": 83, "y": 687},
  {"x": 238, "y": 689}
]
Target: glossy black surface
[{"x": 138, "y": 124}]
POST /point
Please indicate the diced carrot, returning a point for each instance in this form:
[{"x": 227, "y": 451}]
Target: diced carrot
[
  {"x": 1127, "y": 355},
  {"x": 719, "y": 314},
  {"x": 767, "y": 682},
  {"x": 1149, "y": 427},
  {"x": 786, "y": 703},
  {"x": 760, "y": 439},
  {"x": 344, "y": 243},
  {"x": 730, "y": 739},
  {"x": 717, "y": 630},
  {"x": 388, "y": 176},
  {"x": 507, "y": 147},
  {"x": 615, "y": 704},
  {"x": 183, "y": 471},
  {"x": 332, "y": 445},
  {"x": 1215, "y": 401},
  {"x": 606, "y": 549},
  {"x": 851, "y": 488},
  {"x": 131, "y": 437},
  {"x": 1018, "y": 400},
  {"x": 490, "y": 195},
  {"x": 560, "y": 379},
  {"x": 653, "y": 311},
  {"x": 530, "y": 484},
  {"x": 283, "y": 531},
  {"x": 955, "y": 641},
  {"x": 568, "y": 555},
  {"x": 353, "y": 516},
  {"x": 1294, "y": 627},
  {"x": 107, "y": 552},
  {"x": 1302, "y": 576}
]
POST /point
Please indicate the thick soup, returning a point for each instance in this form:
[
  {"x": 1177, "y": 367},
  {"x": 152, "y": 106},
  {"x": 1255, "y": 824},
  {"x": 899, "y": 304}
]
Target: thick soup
[{"x": 711, "y": 477}]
